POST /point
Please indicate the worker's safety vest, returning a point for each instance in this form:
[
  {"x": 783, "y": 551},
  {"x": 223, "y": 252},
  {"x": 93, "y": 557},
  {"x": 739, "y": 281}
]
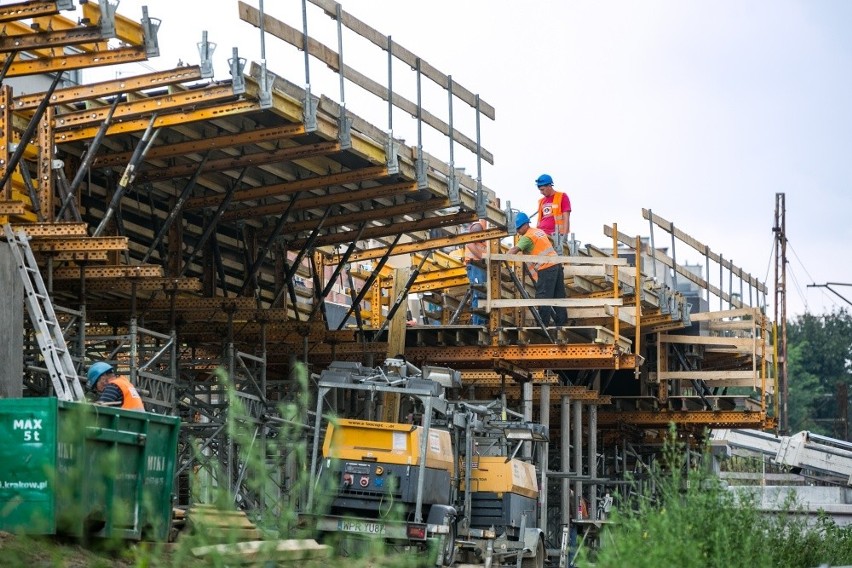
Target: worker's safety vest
[
  {"x": 555, "y": 210},
  {"x": 541, "y": 247},
  {"x": 132, "y": 400}
]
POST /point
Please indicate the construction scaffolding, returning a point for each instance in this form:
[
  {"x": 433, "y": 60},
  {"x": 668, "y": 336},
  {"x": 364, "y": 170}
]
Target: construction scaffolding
[{"x": 185, "y": 224}]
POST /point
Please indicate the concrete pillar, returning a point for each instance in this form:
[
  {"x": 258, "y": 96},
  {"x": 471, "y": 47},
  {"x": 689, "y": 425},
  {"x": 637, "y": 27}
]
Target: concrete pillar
[{"x": 11, "y": 326}]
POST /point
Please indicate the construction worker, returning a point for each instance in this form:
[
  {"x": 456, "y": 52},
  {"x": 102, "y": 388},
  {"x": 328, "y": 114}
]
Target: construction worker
[
  {"x": 113, "y": 390},
  {"x": 474, "y": 253},
  {"x": 554, "y": 212},
  {"x": 548, "y": 276}
]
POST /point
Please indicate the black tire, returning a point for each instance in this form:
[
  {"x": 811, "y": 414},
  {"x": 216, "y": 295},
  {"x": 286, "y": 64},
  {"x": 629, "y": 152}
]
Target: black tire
[
  {"x": 448, "y": 554},
  {"x": 536, "y": 561}
]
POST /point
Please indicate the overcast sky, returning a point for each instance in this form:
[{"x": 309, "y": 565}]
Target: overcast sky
[{"x": 700, "y": 111}]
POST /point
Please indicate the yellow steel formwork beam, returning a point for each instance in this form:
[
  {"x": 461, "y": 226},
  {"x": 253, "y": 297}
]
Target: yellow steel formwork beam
[
  {"x": 38, "y": 42},
  {"x": 145, "y": 284},
  {"x": 708, "y": 418},
  {"x": 77, "y": 61},
  {"x": 141, "y": 272},
  {"x": 161, "y": 104},
  {"x": 81, "y": 93},
  {"x": 81, "y": 244},
  {"x": 36, "y": 230},
  {"x": 571, "y": 356},
  {"x": 126, "y": 29},
  {"x": 28, "y": 9},
  {"x": 173, "y": 119}
]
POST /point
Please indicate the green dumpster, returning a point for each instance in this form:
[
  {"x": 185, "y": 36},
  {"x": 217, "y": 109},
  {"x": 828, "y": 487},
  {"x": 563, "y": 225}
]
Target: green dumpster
[{"x": 85, "y": 470}]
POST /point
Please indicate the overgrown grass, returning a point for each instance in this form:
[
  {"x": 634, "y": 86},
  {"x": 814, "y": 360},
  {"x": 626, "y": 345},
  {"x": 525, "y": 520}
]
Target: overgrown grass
[{"x": 694, "y": 521}]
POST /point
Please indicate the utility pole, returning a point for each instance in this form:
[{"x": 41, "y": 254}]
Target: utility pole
[{"x": 780, "y": 230}]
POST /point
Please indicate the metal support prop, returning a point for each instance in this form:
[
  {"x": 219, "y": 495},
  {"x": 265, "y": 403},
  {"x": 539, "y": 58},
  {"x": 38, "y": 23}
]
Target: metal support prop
[
  {"x": 10, "y": 57},
  {"x": 372, "y": 278},
  {"x": 29, "y": 131},
  {"x": 309, "y": 108},
  {"x": 176, "y": 209},
  {"x": 214, "y": 221},
  {"x": 276, "y": 231},
  {"x": 344, "y": 122},
  {"x": 93, "y": 148},
  {"x": 129, "y": 174},
  {"x": 526, "y": 296},
  {"x": 31, "y": 191},
  {"x": 69, "y": 204},
  {"x": 309, "y": 245},
  {"x": 403, "y": 295},
  {"x": 337, "y": 269}
]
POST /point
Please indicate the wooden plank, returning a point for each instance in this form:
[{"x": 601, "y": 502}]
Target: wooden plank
[
  {"x": 608, "y": 260},
  {"x": 737, "y": 342},
  {"x": 723, "y": 314},
  {"x": 282, "y": 551},
  {"x": 706, "y": 375},
  {"x": 567, "y": 302}
]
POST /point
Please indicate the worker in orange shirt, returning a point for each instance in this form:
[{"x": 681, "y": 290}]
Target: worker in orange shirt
[
  {"x": 113, "y": 390},
  {"x": 549, "y": 277},
  {"x": 554, "y": 212}
]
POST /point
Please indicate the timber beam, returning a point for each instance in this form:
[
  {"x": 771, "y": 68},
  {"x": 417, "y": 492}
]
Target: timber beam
[
  {"x": 235, "y": 162},
  {"x": 288, "y": 188},
  {"x": 200, "y": 146}
]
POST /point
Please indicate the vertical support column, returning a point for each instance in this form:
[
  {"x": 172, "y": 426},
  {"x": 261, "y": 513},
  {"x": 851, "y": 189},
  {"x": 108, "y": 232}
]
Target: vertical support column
[
  {"x": 577, "y": 462},
  {"x": 175, "y": 249},
  {"x": 527, "y": 409},
  {"x": 11, "y": 325},
  {"x": 565, "y": 457},
  {"x": 593, "y": 461},
  {"x": 5, "y": 137},
  {"x": 45, "y": 165},
  {"x": 544, "y": 406}
]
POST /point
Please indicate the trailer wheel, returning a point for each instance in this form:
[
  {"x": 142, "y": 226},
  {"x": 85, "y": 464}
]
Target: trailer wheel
[
  {"x": 536, "y": 561},
  {"x": 448, "y": 554}
]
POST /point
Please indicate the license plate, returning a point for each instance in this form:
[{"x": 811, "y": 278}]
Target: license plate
[{"x": 363, "y": 527}]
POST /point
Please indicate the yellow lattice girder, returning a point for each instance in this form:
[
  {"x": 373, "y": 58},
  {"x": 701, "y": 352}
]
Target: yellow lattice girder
[
  {"x": 77, "y": 61},
  {"x": 126, "y": 29},
  {"x": 173, "y": 119}
]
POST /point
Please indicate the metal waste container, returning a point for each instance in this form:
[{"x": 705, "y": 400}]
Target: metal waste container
[{"x": 85, "y": 470}]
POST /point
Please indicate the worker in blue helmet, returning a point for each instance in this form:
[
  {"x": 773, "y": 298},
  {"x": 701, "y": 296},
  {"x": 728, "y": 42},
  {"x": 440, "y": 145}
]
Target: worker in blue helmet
[
  {"x": 554, "y": 212},
  {"x": 548, "y": 276},
  {"x": 113, "y": 390}
]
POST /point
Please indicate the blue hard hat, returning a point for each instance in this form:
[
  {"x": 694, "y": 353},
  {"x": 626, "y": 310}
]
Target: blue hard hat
[
  {"x": 543, "y": 179},
  {"x": 521, "y": 219},
  {"x": 95, "y": 372}
]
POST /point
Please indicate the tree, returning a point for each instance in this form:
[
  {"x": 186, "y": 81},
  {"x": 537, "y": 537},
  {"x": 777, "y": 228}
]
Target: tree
[{"x": 819, "y": 359}]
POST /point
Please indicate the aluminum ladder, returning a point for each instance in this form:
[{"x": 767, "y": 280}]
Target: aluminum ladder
[{"x": 51, "y": 342}]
